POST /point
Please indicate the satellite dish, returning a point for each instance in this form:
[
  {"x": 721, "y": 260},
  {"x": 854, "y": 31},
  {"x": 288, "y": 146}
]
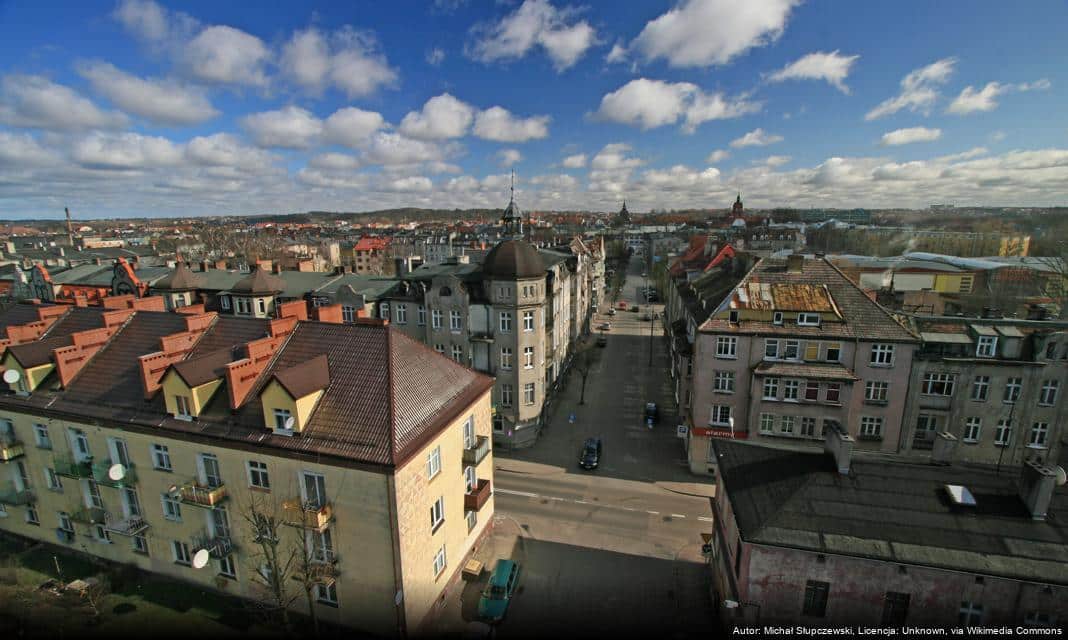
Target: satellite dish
[
  {"x": 117, "y": 472},
  {"x": 1062, "y": 477},
  {"x": 11, "y": 376},
  {"x": 290, "y": 422},
  {"x": 200, "y": 559}
]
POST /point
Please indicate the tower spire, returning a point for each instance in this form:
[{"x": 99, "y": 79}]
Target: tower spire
[{"x": 512, "y": 188}]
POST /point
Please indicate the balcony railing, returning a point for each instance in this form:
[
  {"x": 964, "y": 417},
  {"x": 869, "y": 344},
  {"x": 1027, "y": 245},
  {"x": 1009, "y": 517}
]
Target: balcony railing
[
  {"x": 923, "y": 440},
  {"x": 478, "y": 496},
  {"x": 10, "y": 448},
  {"x": 322, "y": 566},
  {"x": 307, "y": 514},
  {"x": 16, "y": 497},
  {"x": 89, "y": 515},
  {"x": 127, "y": 526},
  {"x": 479, "y": 450},
  {"x": 69, "y": 467},
  {"x": 200, "y": 495},
  {"x": 102, "y": 470},
  {"x": 218, "y": 546}
]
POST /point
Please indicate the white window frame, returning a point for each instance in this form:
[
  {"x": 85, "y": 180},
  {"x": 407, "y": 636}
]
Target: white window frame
[
  {"x": 420, "y": 316},
  {"x": 528, "y": 321},
  {"x": 400, "y": 314},
  {"x": 455, "y": 321},
  {"x": 348, "y": 313},
  {"x": 161, "y": 457},
  {"x": 723, "y": 382},
  {"x": 776, "y": 317},
  {"x": 1013, "y": 390},
  {"x": 1039, "y": 436},
  {"x": 52, "y": 480},
  {"x": 326, "y": 593},
  {"x": 437, "y": 514},
  {"x": 871, "y": 426},
  {"x": 1047, "y": 396},
  {"x": 786, "y": 425},
  {"x": 528, "y": 357},
  {"x": 771, "y": 349},
  {"x": 258, "y": 476},
  {"x": 41, "y": 436},
  {"x": 506, "y": 358},
  {"x": 973, "y": 429},
  {"x": 439, "y": 561},
  {"x": 529, "y": 393},
  {"x": 767, "y": 423},
  {"x": 457, "y": 353},
  {"x": 281, "y": 416},
  {"x": 180, "y": 552},
  {"x": 938, "y": 384},
  {"x": 833, "y": 346},
  {"x": 770, "y": 385},
  {"x": 882, "y": 355},
  {"x": 183, "y": 406},
  {"x": 986, "y": 347},
  {"x": 1003, "y": 433},
  {"x": 727, "y": 347},
  {"x": 506, "y": 395},
  {"x": 433, "y": 463},
  {"x": 791, "y": 346},
  {"x": 808, "y": 426},
  {"x": 172, "y": 508},
  {"x": 791, "y": 390},
  {"x": 980, "y": 388},
  {"x": 721, "y": 415},
  {"x": 436, "y": 318},
  {"x": 505, "y": 322},
  {"x": 876, "y": 391},
  {"x": 805, "y": 319}
]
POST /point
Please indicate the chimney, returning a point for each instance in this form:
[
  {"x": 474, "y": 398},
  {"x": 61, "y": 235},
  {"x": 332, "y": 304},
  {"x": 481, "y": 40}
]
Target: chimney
[
  {"x": 945, "y": 445},
  {"x": 839, "y": 444},
  {"x": 1037, "y": 482},
  {"x": 795, "y": 263},
  {"x": 330, "y": 313}
]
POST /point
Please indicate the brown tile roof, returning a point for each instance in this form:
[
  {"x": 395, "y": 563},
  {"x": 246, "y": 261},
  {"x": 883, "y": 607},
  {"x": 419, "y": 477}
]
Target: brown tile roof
[
  {"x": 302, "y": 379},
  {"x": 77, "y": 319},
  {"x": 38, "y": 352},
  {"x": 812, "y": 371},
  {"x": 862, "y": 318},
  {"x": 18, "y": 314},
  {"x": 259, "y": 281},
  {"x": 182, "y": 278},
  {"x": 204, "y": 368}
]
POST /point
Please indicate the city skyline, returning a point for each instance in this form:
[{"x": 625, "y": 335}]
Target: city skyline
[{"x": 140, "y": 108}]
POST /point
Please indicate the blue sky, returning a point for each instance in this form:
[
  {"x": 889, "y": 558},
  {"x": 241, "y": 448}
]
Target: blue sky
[{"x": 180, "y": 109}]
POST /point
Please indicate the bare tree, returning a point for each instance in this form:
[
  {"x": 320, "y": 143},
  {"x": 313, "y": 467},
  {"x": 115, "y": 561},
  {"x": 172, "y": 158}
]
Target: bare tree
[
  {"x": 585, "y": 359},
  {"x": 273, "y": 561}
]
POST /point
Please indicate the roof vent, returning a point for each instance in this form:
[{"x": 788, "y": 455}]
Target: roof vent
[{"x": 960, "y": 495}]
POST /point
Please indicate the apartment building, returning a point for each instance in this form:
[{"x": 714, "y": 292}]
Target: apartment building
[
  {"x": 145, "y": 437},
  {"x": 794, "y": 349},
  {"x": 371, "y": 255},
  {"x": 990, "y": 388}
]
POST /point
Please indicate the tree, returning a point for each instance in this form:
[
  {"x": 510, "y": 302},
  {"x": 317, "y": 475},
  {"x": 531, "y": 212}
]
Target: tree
[{"x": 585, "y": 359}]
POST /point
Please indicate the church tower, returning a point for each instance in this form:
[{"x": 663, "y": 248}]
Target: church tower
[{"x": 513, "y": 217}]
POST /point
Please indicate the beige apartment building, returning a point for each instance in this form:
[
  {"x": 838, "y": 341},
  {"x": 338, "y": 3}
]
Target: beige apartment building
[{"x": 156, "y": 439}]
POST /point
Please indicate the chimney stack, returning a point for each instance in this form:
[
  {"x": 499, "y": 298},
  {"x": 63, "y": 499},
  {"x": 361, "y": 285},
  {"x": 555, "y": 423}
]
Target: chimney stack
[
  {"x": 70, "y": 227},
  {"x": 795, "y": 263},
  {"x": 839, "y": 444},
  {"x": 1037, "y": 482},
  {"x": 945, "y": 445}
]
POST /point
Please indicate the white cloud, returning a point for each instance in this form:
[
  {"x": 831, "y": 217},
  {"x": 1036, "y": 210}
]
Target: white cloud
[
  {"x": 499, "y": 125},
  {"x": 149, "y": 22},
  {"x": 918, "y": 90},
  {"x": 410, "y": 183},
  {"x": 614, "y": 157},
  {"x": 442, "y": 117},
  {"x": 508, "y": 157},
  {"x": 125, "y": 151},
  {"x": 161, "y": 101},
  {"x": 679, "y": 177},
  {"x": 776, "y": 161},
  {"x": 334, "y": 161},
  {"x": 357, "y": 68},
  {"x": 288, "y": 128},
  {"x": 224, "y": 55},
  {"x": 618, "y": 53},
  {"x": 435, "y": 56},
  {"x": 997, "y": 136},
  {"x": 225, "y": 150},
  {"x": 971, "y": 101},
  {"x": 306, "y": 59},
  {"x": 910, "y": 135},
  {"x": 719, "y": 155},
  {"x": 35, "y": 101},
  {"x": 534, "y": 23},
  {"x": 654, "y": 103},
  {"x": 396, "y": 149},
  {"x": 438, "y": 166},
  {"x": 576, "y": 161},
  {"x": 21, "y": 150},
  {"x": 352, "y": 127},
  {"x": 1038, "y": 85},
  {"x": 756, "y": 138},
  {"x": 462, "y": 184},
  {"x": 701, "y": 33},
  {"x": 832, "y": 67}
]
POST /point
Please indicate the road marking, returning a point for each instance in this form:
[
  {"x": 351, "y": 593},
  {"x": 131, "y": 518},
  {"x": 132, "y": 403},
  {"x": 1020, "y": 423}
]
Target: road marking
[
  {"x": 704, "y": 519},
  {"x": 580, "y": 502},
  {"x": 653, "y": 513},
  {"x": 516, "y": 493},
  {"x": 676, "y": 515}
]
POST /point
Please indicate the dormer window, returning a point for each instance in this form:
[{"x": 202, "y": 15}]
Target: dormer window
[
  {"x": 732, "y": 316},
  {"x": 986, "y": 346},
  {"x": 183, "y": 408},
  {"x": 281, "y": 420},
  {"x": 808, "y": 319},
  {"x": 776, "y": 317}
]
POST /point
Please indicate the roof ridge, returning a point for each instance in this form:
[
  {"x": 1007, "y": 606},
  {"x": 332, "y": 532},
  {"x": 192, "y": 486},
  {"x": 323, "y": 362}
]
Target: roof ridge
[
  {"x": 390, "y": 391},
  {"x": 731, "y": 291},
  {"x": 48, "y": 330},
  {"x": 103, "y": 347},
  {"x": 881, "y": 308}
]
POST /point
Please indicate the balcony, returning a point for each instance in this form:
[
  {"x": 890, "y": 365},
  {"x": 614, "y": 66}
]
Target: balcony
[
  {"x": 200, "y": 495},
  {"x": 68, "y": 467},
  {"x": 10, "y": 449},
  {"x": 479, "y": 450},
  {"x": 16, "y": 497},
  {"x": 478, "y": 496},
  {"x": 101, "y": 473},
  {"x": 481, "y": 336},
  {"x": 131, "y": 526},
  {"x": 310, "y": 515},
  {"x": 89, "y": 515},
  {"x": 217, "y": 546},
  {"x": 322, "y": 566}
]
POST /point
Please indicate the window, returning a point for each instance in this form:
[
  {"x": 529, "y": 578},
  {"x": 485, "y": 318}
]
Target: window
[
  {"x": 732, "y": 316},
  {"x": 882, "y": 355},
  {"x": 528, "y": 357},
  {"x": 506, "y": 322},
  {"x": 437, "y": 514},
  {"x": 985, "y": 347},
  {"x": 224, "y": 302},
  {"x": 31, "y": 515},
  {"x": 506, "y": 357},
  {"x": 181, "y": 553},
  {"x": 80, "y": 445},
  {"x": 94, "y": 494},
  {"x": 726, "y": 347},
  {"x": 281, "y": 419},
  {"x": 455, "y": 324},
  {"x": 528, "y": 393},
  {"x": 792, "y": 350},
  {"x": 348, "y": 313},
  {"x": 723, "y": 382},
  {"x": 771, "y": 388},
  {"x": 172, "y": 507},
  {"x": 383, "y": 310},
  {"x": 457, "y": 353},
  {"x": 812, "y": 390},
  {"x": 1039, "y": 434},
  {"x": 400, "y": 314},
  {"x": 183, "y": 408},
  {"x": 767, "y": 423},
  {"x": 1003, "y": 433},
  {"x": 472, "y": 519},
  {"x": 834, "y": 392},
  {"x": 1048, "y": 396},
  {"x": 440, "y": 348},
  {"x": 812, "y": 351},
  {"x": 871, "y": 427},
  {"x": 420, "y": 315},
  {"x": 895, "y": 609},
  {"x": 786, "y": 424},
  {"x": 506, "y": 395},
  {"x": 815, "y": 598},
  {"x": 101, "y": 534},
  {"x": 326, "y": 593},
  {"x": 227, "y": 568},
  {"x": 52, "y": 481},
  {"x": 777, "y": 317},
  {"x": 771, "y": 349},
  {"x": 1051, "y": 350},
  {"x": 808, "y": 319},
  {"x": 980, "y": 388},
  {"x": 875, "y": 391},
  {"x": 40, "y": 435},
  {"x": 972, "y": 428},
  {"x": 439, "y": 561},
  {"x": 435, "y": 319},
  {"x": 970, "y": 613},
  {"x": 64, "y": 521},
  {"x": 140, "y": 544},
  {"x": 433, "y": 463},
  {"x": 528, "y": 321},
  {"x": 721, "y": 414},
  {"x": 1012, "y": 390},
  {"x": 161, "y": 457},
  {"x": 257, "y": 475},
  {"x": 790, "y": 390},
  {"x": 938, "y": 384},
  {"x": 834, "y": 352}
]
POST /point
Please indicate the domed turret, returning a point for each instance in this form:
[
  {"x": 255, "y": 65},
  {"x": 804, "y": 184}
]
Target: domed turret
[{"x": 512, "y": 260}]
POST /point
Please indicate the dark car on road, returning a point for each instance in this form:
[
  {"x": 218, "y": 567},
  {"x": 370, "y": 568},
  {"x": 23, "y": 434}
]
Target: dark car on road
[
  {"x": 591, "y": 453},
  {"x": 652, "y": 412},
  {"x": 602, "y": 340}
]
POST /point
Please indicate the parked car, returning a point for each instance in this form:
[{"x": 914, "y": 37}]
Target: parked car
[
  {"x": 647, "y": 316},
  {"x": 605, "y": 326},
  {"x": 634, "y": 308},
  {"x": 652, "y": 411},
  {"x": 502, "y": 583},
  {"x": 611, "y": 311},
  {"x": 602, "y": 340},
  {"x": 591, "y": 453}
]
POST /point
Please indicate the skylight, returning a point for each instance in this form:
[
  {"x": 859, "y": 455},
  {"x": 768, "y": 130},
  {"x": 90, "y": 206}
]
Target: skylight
[{"x": 960, "y": 495}]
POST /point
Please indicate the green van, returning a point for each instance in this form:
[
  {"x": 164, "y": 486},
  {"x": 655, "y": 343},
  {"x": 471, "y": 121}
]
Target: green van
[{"x": 502, "y": 583}]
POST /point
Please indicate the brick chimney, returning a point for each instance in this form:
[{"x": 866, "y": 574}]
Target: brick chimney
[
  {"x": 241, "y": 375},
  {"x": 330, "y": 313},
  {"x": 84, "y": 344},
  {"x": 1037, "y": 482},
  {"x": 945, "y": 445},
  {"x": 172, "y": 348},
  {"x": 294, "y": 308},
  {"x": 839, "y": 444}
]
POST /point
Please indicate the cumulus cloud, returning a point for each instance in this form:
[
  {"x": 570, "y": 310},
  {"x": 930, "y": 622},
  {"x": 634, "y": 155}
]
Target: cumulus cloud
[
  {"x": 335, "y": 161},
  {"x": 161, "y": 101},
  {"x": 125, "y": 151},
  {"x": 441, "y": 117},
  {"x": 701, "y": 33},
  {"x": 347, "y": 59},
  {"x": 576, "y": 161},
  {"x": 971, "y": 100},
  {"x": 37, "y": 102},
  {"x": 352, "y": 127},
  {"x": 396, "y": 149},
  {"x": 559, "y": 182},
  {"x": 919, "y": 90},
  {"x": 910, "y": 135},
  {"x": 719, "y": 155},
  {"x": 22, "y": 150},
  {"x": 149, "y": 22},
  {"x": 498, "y": 124},
  {"x": 287, "y": 128},
  {"x": 508, "y": 157},
  {"x": 614, "y": 157},
  {"x": 775, "y": 161},
  {"x": 435, "y": 56},
  {"x": 536, "y": 23},
  {"x": 410, "y": 183},
  {"x": 679, "y": 177},
  {"x": 225, "y": 150},
  {"x": 832, "y": 67},
  {"x": 618, "y": 53},
  {"x": 649, "y": 104},
  {"x": 756, "y": 138},
  {"x": 224, "y": 55}
]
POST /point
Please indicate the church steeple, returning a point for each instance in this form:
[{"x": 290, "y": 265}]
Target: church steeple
[
  {"x": 513, "y": 217},
  {"x": 737, "y": 210}
]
